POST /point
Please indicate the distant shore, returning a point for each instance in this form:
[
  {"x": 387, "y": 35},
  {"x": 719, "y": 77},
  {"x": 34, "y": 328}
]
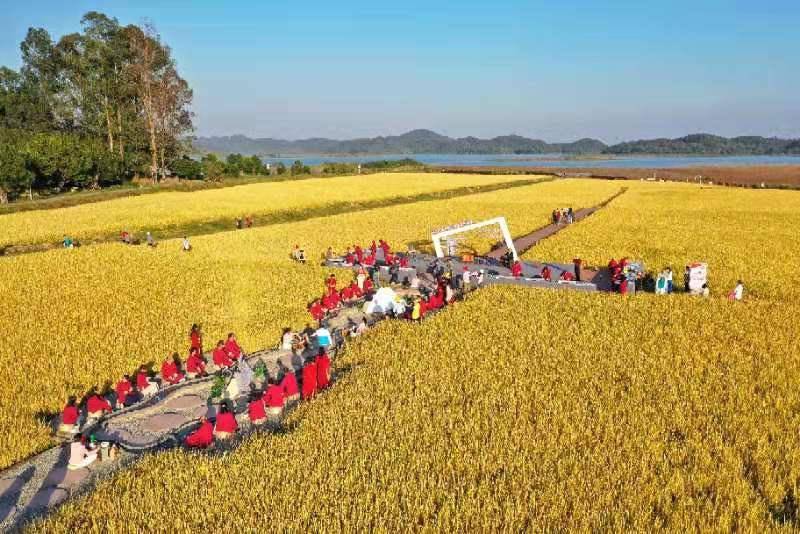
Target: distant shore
[{"x": 773, "y": 176}]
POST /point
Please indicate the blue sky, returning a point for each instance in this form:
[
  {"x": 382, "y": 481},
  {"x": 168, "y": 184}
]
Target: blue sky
[{"x": 553, "y": 70}]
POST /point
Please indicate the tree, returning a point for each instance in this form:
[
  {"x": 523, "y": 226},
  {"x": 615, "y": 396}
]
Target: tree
[
  {"x": 299, "y": 168},
  {"x": 280, "y": 168},
  {"x": 186, "y": 167},
  {"x": 14, "y": 173},
  {"x": 213, "y": 168}
]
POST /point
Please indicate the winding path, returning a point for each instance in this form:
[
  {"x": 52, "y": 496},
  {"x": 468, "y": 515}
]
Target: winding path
[{"x": 35, "y": 486}]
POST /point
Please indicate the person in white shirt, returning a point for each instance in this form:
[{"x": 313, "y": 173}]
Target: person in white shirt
[
  {"x": 186, "y": 246},
  {"x": 467, "y": 277},
  {"x": 738, "y": 291},
  {"x": 287, "y": 339},
  {"x": 79, "y": 455}
]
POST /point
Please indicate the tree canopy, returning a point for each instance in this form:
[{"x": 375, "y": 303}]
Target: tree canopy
[{"x": 95, "y": 107}]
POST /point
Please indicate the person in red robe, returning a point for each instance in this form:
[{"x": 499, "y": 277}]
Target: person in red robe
[
  {"x": 612, "y": 265},
  {"x": 169, "y": 370},
  {"x": 368, "y": 287},
  {"x": 346, "y": 294},
  {"x": 323, "y": 370},
  {"x": 316, "y": 310},
  {"x": 567, "y": 276},
  {"x": 516, "y": 269},
  {"x": 275, "y": 400},
  {"x": 359, "y": 253},
  {"x": 122, "y": 389},
  {"x": 289, "y": 385},
  {"x": 424, "y": 306},
  {"x": 309, "y": 377},
  {"x": 195, "y": 364},
  {"x": 143, "y": 383},
  {"x": 226, "y": 424},
  {"x": 196, "y": 338},
  {"x": 330, "y": 282},
  {"x": 202, "y": 437},
  {"x": 330, "y": 301},
  {"x": 403, "y": 262},
  {"x": 255, "y": 409},
  {"x": 373, "y": 247},
  {"x": 357, "y": 293},
  {"x": 546, "y": 274},
  {"x": 232, "y": 346},
  {"x": 221, "y": 357},
  {"x": 623, "y": 286},
  {"x": 369, "y": 261},
  {"x": 350, "y": 258},
  {"x": 97, "y": 405},
  {"x": 69, "y": 417}
]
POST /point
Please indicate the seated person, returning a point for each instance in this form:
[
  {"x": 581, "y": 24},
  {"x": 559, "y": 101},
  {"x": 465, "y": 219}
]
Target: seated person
[
  {"x": 316, "y": 310},
  {"x": 123, "y": 388},
  {"x": 170, "y": 373},
  {"x": 221, "y": 357},
  {"x": 546, "y": 274},
  {"x": 132, "y": 397},
  {"x": 355, "y": 290},
  {"x": 195, "y": 364},
  {"x": 232, "y": 346},
  {"x": 226, "y": 424},
  {"x": 147, "y": 387},
  {"x": 97, "y": 406},
  {"x": 79, "y": 454},
  {"x": 404, "y": 262},
  {"x": 567, "y": 276},
  {"x": 69, "y": 418},
  {"x": 202, "y": 437},
  {"x": 346, "y": 294},
  {"x": 255, "y": 409},
  {"x": 516, "y": 269},
  {"x": 368, "y": 286}
]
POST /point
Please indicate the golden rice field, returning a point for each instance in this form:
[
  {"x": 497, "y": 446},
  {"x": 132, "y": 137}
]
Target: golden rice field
[
  {"x": 176, "y": 209},
  {"x": 76, "y": 318},
  {"x": 519, "y": 409},
  {"x": 515, "y": 411},
  {"x": 742, "y": 233}
]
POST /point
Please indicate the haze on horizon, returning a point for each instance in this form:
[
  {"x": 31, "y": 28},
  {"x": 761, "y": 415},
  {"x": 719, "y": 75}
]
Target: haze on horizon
[{"x": 559, "y": 72}]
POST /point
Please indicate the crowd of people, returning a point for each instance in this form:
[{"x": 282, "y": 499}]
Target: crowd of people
[{"x": 563, "y": 216}]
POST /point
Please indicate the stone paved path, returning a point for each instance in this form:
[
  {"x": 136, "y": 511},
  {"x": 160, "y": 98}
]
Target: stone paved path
[{"x": 31, "y": 488}]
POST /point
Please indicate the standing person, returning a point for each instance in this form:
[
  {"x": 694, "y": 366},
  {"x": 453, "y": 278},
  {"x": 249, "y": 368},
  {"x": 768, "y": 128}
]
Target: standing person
[
  {"x": 309, "y": 385},
  {"x": 185, "y": 245},
  {"x": 196, "y": 338},
  {"x": 323, "y": 336},
  {"x": 67, "y": 242},
  {"x": 289, "y": 385},
  {"x": 275, "y": 400},
  {"x": 577, "y": 262},
  {"x": 668, "y": 276},
  {"x": 706, "y": 292},
  {"x": 323, "y": 370},
  {"x": 686, "y": 276},
  {"x": 738, "y": 291},
  {"x": 255, "y": 409},
  {"x": 516, "y": 269},
  {"x": 546, "y": 274}
]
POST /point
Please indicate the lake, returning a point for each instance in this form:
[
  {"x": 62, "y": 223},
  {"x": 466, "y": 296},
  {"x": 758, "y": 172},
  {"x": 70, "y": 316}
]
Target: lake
[{"x": 549, "y": 160}]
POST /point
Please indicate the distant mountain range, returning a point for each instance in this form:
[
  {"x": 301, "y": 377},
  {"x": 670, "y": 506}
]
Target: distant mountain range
[{"x": 428, "y": 142}]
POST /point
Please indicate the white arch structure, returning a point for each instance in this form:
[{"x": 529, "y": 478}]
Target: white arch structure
[{"x": 501, "y": 221}]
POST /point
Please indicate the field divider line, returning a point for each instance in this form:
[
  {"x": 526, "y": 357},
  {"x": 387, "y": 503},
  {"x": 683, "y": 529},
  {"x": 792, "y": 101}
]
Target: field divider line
[{"x": 287, "y": 216}]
